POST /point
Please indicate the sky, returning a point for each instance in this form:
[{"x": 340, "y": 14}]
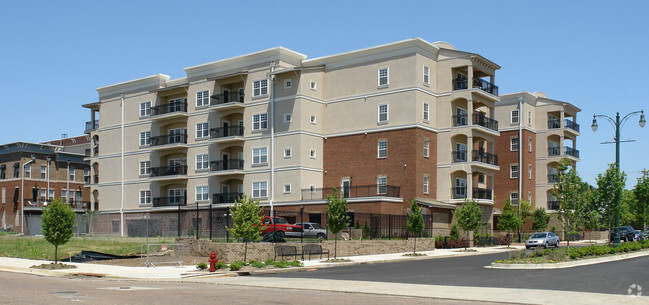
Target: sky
[{"x": 592, "y": 54}]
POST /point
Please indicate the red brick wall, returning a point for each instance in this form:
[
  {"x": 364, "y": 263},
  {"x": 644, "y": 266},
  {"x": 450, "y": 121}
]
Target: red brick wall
[{"x": 503, "y": 184}]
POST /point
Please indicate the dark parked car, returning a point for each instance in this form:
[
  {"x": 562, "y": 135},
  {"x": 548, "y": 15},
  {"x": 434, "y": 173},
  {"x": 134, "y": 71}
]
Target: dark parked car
[{"x": 627, "y": 233}]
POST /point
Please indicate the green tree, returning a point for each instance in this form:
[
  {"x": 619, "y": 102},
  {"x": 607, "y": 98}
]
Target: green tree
[
  {"x": 469, "y": 217},
  {"x": 610, "y": 188},
  {"x": 540, "y": 220},
  {"x": 337, "y": 218},
  {"x": 415, "y": 222},
  {"x": 641, "y": 202},
  {"x": 569, "y": 193},
  {"x": 246, "y": 221},
  {"x": 58, "y": 224},
  {"x": 509, "y": 220}
]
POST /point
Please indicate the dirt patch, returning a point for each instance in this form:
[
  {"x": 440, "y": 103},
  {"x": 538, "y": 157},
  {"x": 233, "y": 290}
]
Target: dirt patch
[{"x": 53, "y": 266}]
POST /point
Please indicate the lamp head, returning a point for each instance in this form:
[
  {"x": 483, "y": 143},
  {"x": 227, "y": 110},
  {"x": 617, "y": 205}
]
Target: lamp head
[
  {"x": 642, "y": 121},
  {"x": 594, "y": 126}
]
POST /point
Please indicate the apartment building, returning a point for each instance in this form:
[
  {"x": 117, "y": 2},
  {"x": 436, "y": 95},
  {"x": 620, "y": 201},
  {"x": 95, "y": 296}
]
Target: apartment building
[
  {"x": 536, "y": 132},
  {"x": 409, "y": 120},
  {"x": 33, "y": 174}
]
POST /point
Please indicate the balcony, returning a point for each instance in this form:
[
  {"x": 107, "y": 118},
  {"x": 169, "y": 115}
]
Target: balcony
[
  {"x": 461, "y": 82},
  {"x": 95, "y": 179},
  {"x": 458, "y": 192},
  {"x": 553, "y": 205},
  {"x": 554, "y": 151},
  {"x": 570, "y": 124},
  {"x": 232, "y": 98},
  {"x": 169, "y": 201},
  {"x": 169, "y": 171},
  {"x": 480, "y": 193},
  {"x": 226, "y": 197},
  {"x": 484, "y": 121},
  {"x": 82, "y": 205},
  {"x": 460, "y": 120},
  {"x": 569, "y": 151},
  {"x": 459, "y": 156},
  {"x": 224, "y": 132},
  {"x": 553, "y": 178},
  {"x": 91, "y": 126},
  {"x": 224, "y": 165},
  {"x": 485, "y": 157},
  {"x": 354, "y": 191},
  {"x": 175, "y": 107},
  {"x": 554, "y": 124},
  {"x": 169, "y": 139}
]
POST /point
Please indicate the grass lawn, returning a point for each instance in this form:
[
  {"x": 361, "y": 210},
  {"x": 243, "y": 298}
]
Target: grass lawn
[{"x": 38, "y": 248}]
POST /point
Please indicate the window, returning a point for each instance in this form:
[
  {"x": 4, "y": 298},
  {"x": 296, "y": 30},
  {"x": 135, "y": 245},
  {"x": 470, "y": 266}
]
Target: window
[
  {"x": 382, "y": 185},
  {"x": 3, "y": 172},
  {"x": 383, "y": 77},
  {"x": 260, "y": 121},
  {"x": 287, "y": 117},
  {"x": 312, "y": 85},
  {"x": 514, "y": 116},
  {"x": 425, "y": 184},
  {"x": 383, "y": 113},
  {"x": 460, "y": 188},
  {"x": 86, "y": 175},
  {"x": 287, "y": 152},
  {"x": 426, "y": 144},
  {"x": 259, "y": 189},
  {"x": 529, "y": 197},
  {"x": 202, "y": 98},
  {"x": 426, "y": 75},
  {"x": 426, "y": 113},
  {"x": 202, "y": 130},
  {"x": 288, "y": 83},
  {"x": 312, "y": 119},
  {"x": 383, "y": 149},
  {"x": 529, "y": 118},
  {"x": 312, "y": 154},
  {"x": 51, "y": 194},
  {"x": 145, "y": 109},
  {"x": 529, "y": 144},
  {"x": 513, "y": 197},
  {"x": 64, "y": 195},
  {"x": 482, "y": 178},
  {"x": 260, "y": 87},
  {"x": 287, "y": 188},
  {"x": 43, "y": 195},
  {"x": 16, "y": 169},
  {"x": 145, "y": 197},
  {"x": 514, "y": 144},
  {"x": 202, "y": 162},
  {"x": 529, "y": 171},
  {"x": 43, "y": 171},
  {"x": 259, "y": 155},
  {"x": 71, "y": 173},
  {"x": 177, "y": 104},
  {"x": 202, "y": 193},
  {"x": 513, "y": 171},
  {"x": 28, "y": 170},
  {"x": 145, "y": 138}
]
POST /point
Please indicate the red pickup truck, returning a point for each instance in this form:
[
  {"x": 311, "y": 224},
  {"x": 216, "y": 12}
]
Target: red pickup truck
[{"x": 280, "y": 226}]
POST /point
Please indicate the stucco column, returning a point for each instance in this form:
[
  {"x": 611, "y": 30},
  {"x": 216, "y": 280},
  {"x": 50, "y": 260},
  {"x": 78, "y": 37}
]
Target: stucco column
[
  {"x": 470, "y": 76},
  {"x": 469, "y": 114},
  {"x": 469, "y": 184}
]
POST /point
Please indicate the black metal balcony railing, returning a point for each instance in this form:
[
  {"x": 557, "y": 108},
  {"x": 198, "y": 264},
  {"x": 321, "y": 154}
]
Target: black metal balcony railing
[
  {"x": 554, "y": 151},
  {"x": 485, "y": 157},
  {"x": 484, "y": 121},
  {"x": 90, "y": 126},
  {"x": 458, "y": 192},
  {"x": 553, "y": 205},
  {"x": 223, "y": 132},
  {"x": 169, "y": 170},
  {"x": 553, "y": 178},
  {"x": 460, "y": 120},
  {"x": 461, "y": 83},
  {"x": 222, "y": 165},
  {"x": 354, "y": 191},
  {"x": 480, "y": 193},
  {"x": 226, "y": 97},
  {"x": 569, "y": 151},
  {"x": 459, "y": 156},
  {"x": 554, "y": 123},
  {"x": 169, "y": 108},
  {"x": 226, "y": 197},
  {"x": 570, "y": 124},
  {"x": 95, "y": 179},
  {"x": 95, "y": 150},
  {"x": 169, "y": 139},
  {"x": 169, "y": 201},
  {"x": 85, "y": 205}
]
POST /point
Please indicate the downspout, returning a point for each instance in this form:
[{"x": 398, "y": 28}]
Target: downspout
[
  {"x": 272, "y": 138},
  {"x": 121, "y": 208},
  {"x": 520, "y": 161}
]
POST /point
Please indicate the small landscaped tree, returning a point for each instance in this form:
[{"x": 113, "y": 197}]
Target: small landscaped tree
[
  {"x": 469, "y": 217},
  {"x": 415, "y": 222},
  {"x": 58, "y": 224},
  {"x": 337, "y": 218},
  {"x": 509, "y": 220},
  {"x": 570, "y": 193},
  {"x": 641, "y": 204},
  {"x": 246, "y": 221},
  {"x": 540, "y": 220}
]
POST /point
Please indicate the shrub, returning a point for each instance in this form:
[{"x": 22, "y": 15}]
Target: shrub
[
  {"x": 280, "y": 264},
  {"x": 201, "y": 266},
  {"x": 236, "y": 266},
  {"x": 221, "y": 265},
  {"x": 455, "y": 233},
  {"x": 257, "y": 264},
  {"x": 268, "y": 261}
]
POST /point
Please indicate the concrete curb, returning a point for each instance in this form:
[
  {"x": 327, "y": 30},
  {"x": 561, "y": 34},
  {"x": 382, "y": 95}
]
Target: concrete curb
[{"x": 562, "y": 265}]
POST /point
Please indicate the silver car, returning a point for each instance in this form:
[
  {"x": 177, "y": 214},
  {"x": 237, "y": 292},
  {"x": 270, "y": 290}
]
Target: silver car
[
  {"x": 542, "y": 239},
  {"x": 313, "y": 230}
]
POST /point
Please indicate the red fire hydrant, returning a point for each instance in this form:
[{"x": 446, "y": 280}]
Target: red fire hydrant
[{"x": 213, "y": 261}]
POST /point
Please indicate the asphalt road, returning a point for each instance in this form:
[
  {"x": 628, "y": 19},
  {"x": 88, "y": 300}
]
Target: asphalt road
[
  {"x": 31, "y": 289},
  {"x": 610, "y": 278}
]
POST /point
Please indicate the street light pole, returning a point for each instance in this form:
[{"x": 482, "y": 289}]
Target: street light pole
[{"x": 618, "y": 123}]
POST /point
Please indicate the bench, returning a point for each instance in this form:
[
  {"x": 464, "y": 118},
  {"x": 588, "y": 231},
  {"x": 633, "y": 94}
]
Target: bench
[
  {"x": 314, "y": 250},
  {"x": 283, "y": 251}
]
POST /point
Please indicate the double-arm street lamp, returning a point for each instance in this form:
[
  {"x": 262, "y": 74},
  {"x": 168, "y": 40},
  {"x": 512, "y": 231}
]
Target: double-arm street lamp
[{"x": 618, "y": 123}]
